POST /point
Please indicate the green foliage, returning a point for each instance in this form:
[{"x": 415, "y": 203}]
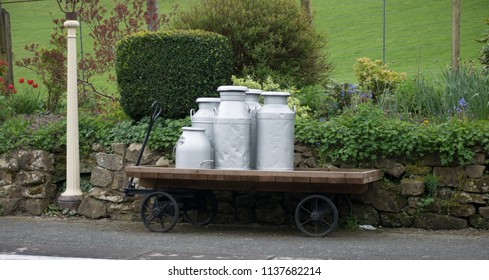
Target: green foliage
[
  {"x": 376, "y": 78},
  {"x": 301, "y": 111},
  {"x": 270, "y": 38},
  {"x": 173, "y": 67},
  {"x": 163, "y": 137},
  {"x": 462, "y": 95},
  {"x": 52, "y": 210},
  {"x": 431, "y": 184},
  {"x": 365, "y": 134},
  {"x": 484, "y": 58},
  {"x": 13, "y": 134},
  {"x": 6, "y": 110},
  {"x": 352, "y": 223}
]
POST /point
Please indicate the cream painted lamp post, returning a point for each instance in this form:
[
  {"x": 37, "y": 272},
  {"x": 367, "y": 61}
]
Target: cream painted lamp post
[{"x": 72, "y": 196}]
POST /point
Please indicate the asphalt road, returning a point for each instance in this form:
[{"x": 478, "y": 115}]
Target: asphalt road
[{"x": 107, "y": 239}]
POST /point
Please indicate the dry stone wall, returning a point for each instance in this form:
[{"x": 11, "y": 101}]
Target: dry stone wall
[{"x": 30, "y": 182}]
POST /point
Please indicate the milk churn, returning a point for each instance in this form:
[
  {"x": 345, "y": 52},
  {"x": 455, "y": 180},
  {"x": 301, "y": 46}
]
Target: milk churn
[
  {"x": 232, "y": 129},
  {"x": 275, "y": 133},
  {"x": 253, "y": 100},
  {"x": 204, "y": 117},
  {"x": 193, "y": 149}
]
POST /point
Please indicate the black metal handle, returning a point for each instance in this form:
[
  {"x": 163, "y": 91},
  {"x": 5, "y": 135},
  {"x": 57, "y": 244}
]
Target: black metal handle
[{"x": 155, "y": 113}]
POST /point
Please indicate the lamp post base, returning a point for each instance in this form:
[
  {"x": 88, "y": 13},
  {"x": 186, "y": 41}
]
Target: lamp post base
[{"x": 69, "y": 202}]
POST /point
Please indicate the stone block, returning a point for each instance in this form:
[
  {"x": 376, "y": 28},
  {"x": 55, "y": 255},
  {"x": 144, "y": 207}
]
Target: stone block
[
  {"x": 449, "y": 176},
  {"x": 36, "y": 206},
  {"x": 366, "y": 214},
  {"x": 9, "y": 205},
  {"x": 433, "y": 221},
  {"x": 388, "y": 199},
  {"x": 39, "y": 191},
  {"x": 6, "y": 177},
  {"x": 92, "y": 208},
  {"x": 464, "y": 197},
  {"x": 412, "y": 186},
  {"x": 110, "y": 161},
  {"x": 101, "y": 177},
  {"x": 246, "y": 215},
  {"x": 393, "y": 168},
  {"x": 475, "y": 171},
  {"x": 11, "y": 191},
  {"x": 477, "y": 185},
  {"x": 9, "y": 162},
  {"x": 418, "y": 169},
  {"x": 401, "y": 219},
  {"x": 132, "y": 154},
  {"x": 26, "y": 178},
  {"x": 479, "y": 158},
  {"x": 479, "y": 222},
  {"x": 484, "y": 212},
  {"x": 36, "y": 160},
  {"x": 163, "y": 162},
  {"x": 119, "y": 148},
  {"x": 106, "y": 195}
]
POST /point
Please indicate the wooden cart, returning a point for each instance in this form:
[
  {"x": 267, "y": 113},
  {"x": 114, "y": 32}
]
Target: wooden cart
[{"x": 169, "y": 191}]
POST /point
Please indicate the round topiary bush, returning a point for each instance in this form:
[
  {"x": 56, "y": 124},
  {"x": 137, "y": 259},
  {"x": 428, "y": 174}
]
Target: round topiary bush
[{"x": 173, "y": 67}]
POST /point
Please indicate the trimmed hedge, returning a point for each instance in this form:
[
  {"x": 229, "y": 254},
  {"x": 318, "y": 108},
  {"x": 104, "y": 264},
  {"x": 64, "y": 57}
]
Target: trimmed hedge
[{"x": 173, "y": 67}]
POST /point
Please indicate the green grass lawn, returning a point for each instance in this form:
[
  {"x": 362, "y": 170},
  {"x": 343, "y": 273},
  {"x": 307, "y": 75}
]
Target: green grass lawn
[{"x": 418, "y": 33}]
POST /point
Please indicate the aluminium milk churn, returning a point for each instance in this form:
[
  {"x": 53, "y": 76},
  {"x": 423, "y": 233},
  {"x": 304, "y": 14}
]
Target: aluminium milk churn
[
  {"x": 275, "y": 133},
  {"x": 193, "y": 149},
  {"x": 232, "y": 129},
  {"x": 253, "y": 100},
  {"x": 204, "y": 117}
]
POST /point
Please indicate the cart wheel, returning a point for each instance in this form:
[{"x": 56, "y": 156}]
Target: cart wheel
[
  {"x": 316, "y": 216},
  {"x": 201, "y": 209},
  {"x": 344, "y": 207},
  {"x": 159, "y": 212}
]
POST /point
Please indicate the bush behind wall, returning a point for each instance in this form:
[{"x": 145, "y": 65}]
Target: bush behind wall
[{"x": 173, "y": 67}]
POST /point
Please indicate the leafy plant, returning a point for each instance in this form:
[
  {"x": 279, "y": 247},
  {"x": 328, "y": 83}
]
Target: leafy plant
[
  {"x": 265, "y": 35},
  {"x": 431, "y": 183},
  {"x": 352, "y": 223},
  {"x": 27, "y": 99},
  {"x": 374, "y": 77},
  {"x": 364, "y": 134},
  {"x": 52, "y": 210}
]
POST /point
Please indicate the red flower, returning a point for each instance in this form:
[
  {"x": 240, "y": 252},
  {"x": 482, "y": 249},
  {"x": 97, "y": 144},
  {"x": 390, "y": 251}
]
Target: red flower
[
  {"x": 35, "y": 85},
  {"x": 30, "y": 82},
  {"x": 10, "y": 86},
  {"x": 1, "y": 79},
  {"x": 21, "y": 80},
  {"x": 15, "y": 91}
]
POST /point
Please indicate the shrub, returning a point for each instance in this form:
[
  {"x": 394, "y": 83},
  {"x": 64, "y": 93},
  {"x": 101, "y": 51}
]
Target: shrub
[
  {"x": 172, "y": 67},
  {"x": 365, "y": 134},
  {"x": 270, "y": 38},
  {"x": 375, "y": 77}
]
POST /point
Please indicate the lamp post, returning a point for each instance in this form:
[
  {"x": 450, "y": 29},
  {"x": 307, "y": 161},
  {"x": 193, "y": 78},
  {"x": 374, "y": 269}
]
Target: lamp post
[{"x": 71, "y": 197}]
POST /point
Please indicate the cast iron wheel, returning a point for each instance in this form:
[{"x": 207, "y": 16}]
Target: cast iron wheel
[
  {"x": 159, "y": 212},
  {"x": 344, "y": 207},
  {"x": 316, "y": 216},
  {"x": 201, "y": 209}
]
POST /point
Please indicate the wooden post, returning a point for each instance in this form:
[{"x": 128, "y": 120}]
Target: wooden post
[{"x": 455, "y": 34}]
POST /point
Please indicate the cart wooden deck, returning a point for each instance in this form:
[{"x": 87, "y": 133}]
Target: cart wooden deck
[{"x": 346, "y": 181}]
